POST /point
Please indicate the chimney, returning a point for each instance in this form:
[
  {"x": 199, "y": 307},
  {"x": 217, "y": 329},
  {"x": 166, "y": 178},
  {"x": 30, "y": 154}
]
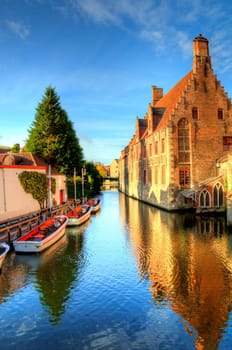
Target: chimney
[
  {"x": 157, "y": 94},
  {"x": 200, "y": 53}
]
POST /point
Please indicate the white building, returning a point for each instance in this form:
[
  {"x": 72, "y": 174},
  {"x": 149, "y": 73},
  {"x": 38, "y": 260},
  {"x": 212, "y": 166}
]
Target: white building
[{"x": 14, "y": 201}]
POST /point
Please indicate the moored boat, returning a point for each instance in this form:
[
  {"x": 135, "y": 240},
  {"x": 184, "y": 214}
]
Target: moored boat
[
  {"x": 4, "y": 249},
  {"x": 79, "y": 215},
  {"x": 42, "y": 236},
  {"x": 95, "y": 204}
]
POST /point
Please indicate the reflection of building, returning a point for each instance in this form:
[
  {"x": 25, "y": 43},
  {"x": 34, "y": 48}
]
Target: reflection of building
[
  {"x": 188, "y": 266},
  {"x": 14, "y": 201},
  {"x": 179, "y": 155}
]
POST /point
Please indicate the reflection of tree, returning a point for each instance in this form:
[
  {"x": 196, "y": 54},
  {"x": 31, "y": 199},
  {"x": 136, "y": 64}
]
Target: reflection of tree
[
  {"x": 188, "y": 263},
  {"x": 57, "y": 274}
]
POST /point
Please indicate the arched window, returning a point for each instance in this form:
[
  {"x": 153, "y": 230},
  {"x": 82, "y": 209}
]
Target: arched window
[
  {"x": 183, "y": 141},
  {"x": 218, "y": 195},
  {"x": 204, "y": 199}
]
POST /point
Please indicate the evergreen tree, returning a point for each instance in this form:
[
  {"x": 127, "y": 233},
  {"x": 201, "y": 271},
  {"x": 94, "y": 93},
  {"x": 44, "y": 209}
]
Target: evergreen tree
[{"x": 52, "y": 136}]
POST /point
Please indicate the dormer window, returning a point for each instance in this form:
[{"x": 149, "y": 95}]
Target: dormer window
[
  {"x": 195, "y": 113},
  {"x": 220, "y": 114}
]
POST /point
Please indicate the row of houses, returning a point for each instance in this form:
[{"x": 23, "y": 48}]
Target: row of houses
[{"x": 180, "y": 155}]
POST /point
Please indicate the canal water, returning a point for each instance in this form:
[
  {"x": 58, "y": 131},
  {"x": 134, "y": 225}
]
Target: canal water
[{"x": 133, "y": 277}]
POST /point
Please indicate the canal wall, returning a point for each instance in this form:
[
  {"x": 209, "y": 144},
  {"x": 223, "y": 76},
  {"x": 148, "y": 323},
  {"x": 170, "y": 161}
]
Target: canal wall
[{"x": 15, "y": 227}]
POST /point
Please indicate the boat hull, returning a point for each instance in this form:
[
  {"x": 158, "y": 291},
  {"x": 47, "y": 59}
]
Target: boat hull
[
  {"x": 6, "y": 248},
  {"x": 31, "y": 246},
  {"x": 95, "y": 205},
  {"x": 79, "y": 218}
]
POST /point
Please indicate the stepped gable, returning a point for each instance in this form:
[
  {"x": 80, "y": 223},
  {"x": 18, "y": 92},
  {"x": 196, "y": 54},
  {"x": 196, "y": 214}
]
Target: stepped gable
[
  {"x": 171, "y": 99},
  {"x": 141, "y": 126}
]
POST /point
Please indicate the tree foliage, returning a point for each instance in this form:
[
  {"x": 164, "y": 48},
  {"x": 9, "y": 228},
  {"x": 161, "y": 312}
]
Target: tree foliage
[
  {"x": 15, "y": 148},
  {"x": 92, "y": 182},
  {"x": 36, "y": 184},
  {"x": 102, "y": 170},
  {"x": 52, "y": 136}
]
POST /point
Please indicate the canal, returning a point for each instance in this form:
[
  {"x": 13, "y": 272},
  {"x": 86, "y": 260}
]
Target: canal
[{"x": 133, "y": 277}]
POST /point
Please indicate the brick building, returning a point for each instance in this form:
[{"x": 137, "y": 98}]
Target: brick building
[{"x": 180, "y": 154}]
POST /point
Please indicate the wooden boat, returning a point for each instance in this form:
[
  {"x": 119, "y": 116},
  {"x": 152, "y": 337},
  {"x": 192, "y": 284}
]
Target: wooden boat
[
  {"x": 79, "y": 215},
  {"x": 4, "y": 249},
  {"x": 95, "y": 204},
  {"x": 42, "y": 236}
]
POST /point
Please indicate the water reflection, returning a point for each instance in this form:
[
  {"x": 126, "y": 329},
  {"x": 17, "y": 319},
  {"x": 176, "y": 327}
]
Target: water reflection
[
  {"x": 12, "y": 278},
  {"x": 188, "y": 263},
  {"x": 54, "y": 278},
  {"x": 52, "y": 272}
]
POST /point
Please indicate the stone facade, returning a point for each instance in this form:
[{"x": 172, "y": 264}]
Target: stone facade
[
  {"x": 175, "y": 154},
  {"x": 114, "y": 168}
]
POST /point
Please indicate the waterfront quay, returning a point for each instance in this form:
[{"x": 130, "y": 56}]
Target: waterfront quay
[{"x": 132, "y": 277}]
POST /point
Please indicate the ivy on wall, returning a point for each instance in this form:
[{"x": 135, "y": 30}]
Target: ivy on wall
[{"x": 36, "y": 184}]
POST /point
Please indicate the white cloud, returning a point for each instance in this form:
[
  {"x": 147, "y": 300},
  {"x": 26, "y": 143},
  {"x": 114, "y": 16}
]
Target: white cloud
[{"x": 20, "y": 29}]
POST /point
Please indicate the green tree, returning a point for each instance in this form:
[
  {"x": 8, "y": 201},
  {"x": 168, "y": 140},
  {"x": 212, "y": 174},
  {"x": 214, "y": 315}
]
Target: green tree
[
  {"x": 92, "y": 182},
  {"x": 52, "y": 136},
  {"x": 95, "y": 179},
  {"x": 15, "y": 148},
  {"x": 37, "y": 184}
]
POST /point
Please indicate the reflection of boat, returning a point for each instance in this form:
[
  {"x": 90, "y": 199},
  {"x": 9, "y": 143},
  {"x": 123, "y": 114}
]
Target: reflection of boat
[
  {"x": 95, "y": 204},
  {"x": 79, "y": 215},
  {"x": 4, "y": 249},
  {"x": 42, "y": 236}
]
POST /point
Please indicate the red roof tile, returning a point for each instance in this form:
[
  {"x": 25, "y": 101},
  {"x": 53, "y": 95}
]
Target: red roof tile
[{"x": 170, "y": 100}]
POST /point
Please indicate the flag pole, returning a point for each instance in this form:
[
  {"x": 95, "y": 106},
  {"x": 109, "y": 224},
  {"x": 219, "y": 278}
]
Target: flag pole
[
  {"x": 49, "y": 189},
  {"x": 75, "y": 187},
  {"x": 82, "y": 182}
]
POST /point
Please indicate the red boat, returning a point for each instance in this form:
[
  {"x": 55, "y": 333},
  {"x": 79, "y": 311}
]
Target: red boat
[
  {"x": 95, "y": 204},
  {"x": 42, "y": 236},
  {"x": 79, "y": 215}
]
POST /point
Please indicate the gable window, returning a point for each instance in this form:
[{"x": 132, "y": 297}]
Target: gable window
[
  {"x": 218, "y": 195},
  {"x": 162, "y": 146},
  {"x": 204, "y": 199},
  {"x": 156, "y": 147},
  {"x": 220, "y": 114},
  {"x": 227, "y": 143},
  {"x": 195, "y": 113},
  {"x": 184, "y": 174}
]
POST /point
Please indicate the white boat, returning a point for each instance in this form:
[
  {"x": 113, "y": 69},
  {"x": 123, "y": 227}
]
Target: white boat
[
  {"x": 95, "y": 204},
  {"x": 79, "y": 215},
  {"x": 4, "y": 249},
  {"x": 42, "y": 236}
]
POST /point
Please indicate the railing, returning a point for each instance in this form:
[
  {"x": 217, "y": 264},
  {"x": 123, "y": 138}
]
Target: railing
[{"x": 14, "y": 228}]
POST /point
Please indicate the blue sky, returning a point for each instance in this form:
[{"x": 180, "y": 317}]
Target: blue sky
[{"x": 102, "y": 56}]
